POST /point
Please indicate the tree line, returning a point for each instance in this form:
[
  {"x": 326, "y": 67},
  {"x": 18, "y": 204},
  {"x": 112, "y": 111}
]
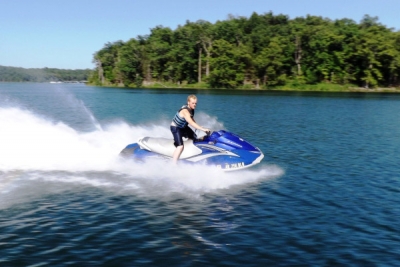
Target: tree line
[
  {"x": 14, "y": 74},
  {"x": 261, "y": 51}
]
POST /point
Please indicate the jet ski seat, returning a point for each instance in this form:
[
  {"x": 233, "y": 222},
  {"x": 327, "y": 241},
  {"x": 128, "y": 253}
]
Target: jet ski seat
[{"x": 166, "y": 146}]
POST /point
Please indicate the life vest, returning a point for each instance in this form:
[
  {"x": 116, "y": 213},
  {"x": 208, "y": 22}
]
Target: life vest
[{"x": 181, "y": 121}]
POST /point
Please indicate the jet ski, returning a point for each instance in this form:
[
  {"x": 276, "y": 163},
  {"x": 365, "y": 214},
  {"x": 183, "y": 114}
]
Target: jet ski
[{"x": 222, "y": 149}]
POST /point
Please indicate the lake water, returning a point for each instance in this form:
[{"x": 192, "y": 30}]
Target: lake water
[{"x": 327, "y": 192}]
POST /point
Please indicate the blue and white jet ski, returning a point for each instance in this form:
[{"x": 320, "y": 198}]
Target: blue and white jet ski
[{"x": 221, "y": 149}]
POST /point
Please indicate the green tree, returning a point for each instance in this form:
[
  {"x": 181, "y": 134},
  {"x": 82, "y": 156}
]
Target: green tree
[
  {"x": 130, "y": 63},
  {"x": 106, "y": 61},
  {"x": 269, "y": 63},
  {"x": 159, "y": 50},
  {"x": 393, "y": 76},
  {"x": 371, "y": 47},
  {"x": 228, "y": 64}
]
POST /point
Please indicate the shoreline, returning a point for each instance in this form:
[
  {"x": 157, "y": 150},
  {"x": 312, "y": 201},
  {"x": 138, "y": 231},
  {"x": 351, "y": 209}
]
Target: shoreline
[
  {"x": 310, "y": 88},
  {"x": 304, "y": 88}
]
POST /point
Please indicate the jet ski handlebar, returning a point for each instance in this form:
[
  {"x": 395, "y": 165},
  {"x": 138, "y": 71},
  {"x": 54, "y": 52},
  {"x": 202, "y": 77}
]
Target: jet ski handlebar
[{"x": 208, "y": 133}]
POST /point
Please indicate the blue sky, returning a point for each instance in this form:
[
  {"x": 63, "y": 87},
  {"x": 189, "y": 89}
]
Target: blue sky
[{"x": 66, "y": 33}]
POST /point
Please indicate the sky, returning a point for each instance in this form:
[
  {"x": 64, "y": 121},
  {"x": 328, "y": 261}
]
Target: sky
[{"x": 65, "y": 34}]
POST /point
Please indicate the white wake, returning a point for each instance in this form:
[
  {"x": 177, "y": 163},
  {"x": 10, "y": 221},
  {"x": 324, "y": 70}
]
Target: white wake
[{"x": 38, "y": 152}]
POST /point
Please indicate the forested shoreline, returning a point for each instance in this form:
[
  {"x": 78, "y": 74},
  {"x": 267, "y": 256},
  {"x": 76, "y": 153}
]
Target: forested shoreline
[
  {"x": 259, "y": 52},
  {"x": 15, "y": 74}
]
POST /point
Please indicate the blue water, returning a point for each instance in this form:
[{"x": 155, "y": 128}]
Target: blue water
[{"x": 326, "y": 194}]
